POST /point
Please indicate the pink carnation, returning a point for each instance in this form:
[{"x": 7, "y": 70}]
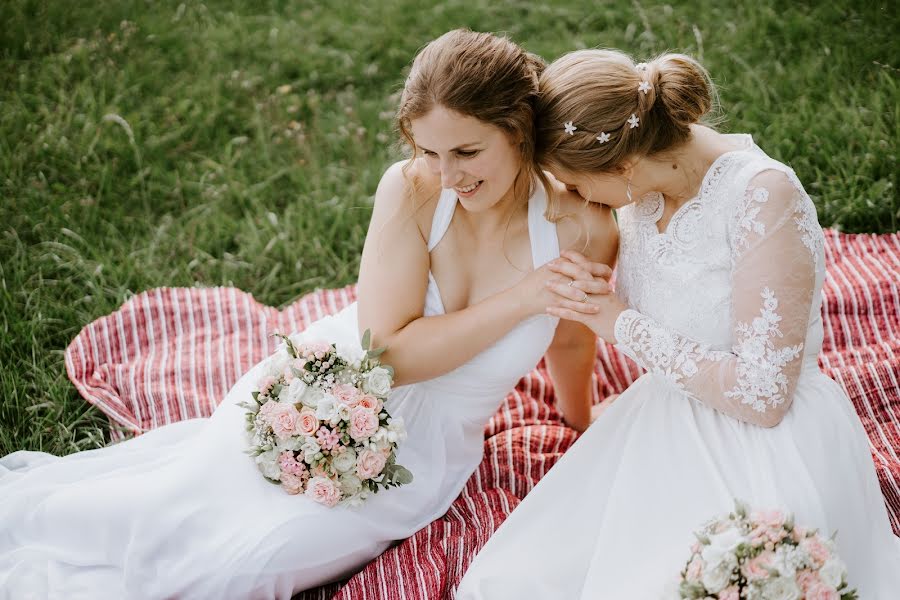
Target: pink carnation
[
  {"x": 363, "y": 423},
  {"x": 266, "y": 409},
  {"x": 755, "y": 568},
  {"x": 820, "y": 591},
  {"x": 369, "y": 464},
  {"x": 346, "y": 394},
  {"x": 817, "y": 550},
  {"x": 284, "y": 419},
  {"x": 769, "y": 518},
  {"x": 292, "y": 484},
  {"x": 806, "y": 579},
  {"x": 323, "y": 490}
]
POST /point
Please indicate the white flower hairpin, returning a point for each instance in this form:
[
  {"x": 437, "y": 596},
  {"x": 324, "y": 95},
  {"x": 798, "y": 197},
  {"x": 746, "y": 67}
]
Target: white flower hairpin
[
  {"x": 569, "y": 127},
  {"x": 603, "y": 137},
  {"x": 633, "y": 121},
  {"x": 644, "y": 87}
]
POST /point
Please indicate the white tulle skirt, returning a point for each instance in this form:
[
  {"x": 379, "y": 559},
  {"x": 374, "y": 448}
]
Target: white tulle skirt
[{"x": 614, "y": 518}]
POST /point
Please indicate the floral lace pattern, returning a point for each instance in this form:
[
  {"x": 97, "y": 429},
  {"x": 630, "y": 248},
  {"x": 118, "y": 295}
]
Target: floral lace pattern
[
  {"x": 658, "y": 349},
  {"x": 761, "y": 381},
  {"x": 746, "y": 217}
]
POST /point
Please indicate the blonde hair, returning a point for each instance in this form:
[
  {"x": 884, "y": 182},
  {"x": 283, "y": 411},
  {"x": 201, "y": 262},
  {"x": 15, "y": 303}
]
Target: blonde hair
[
  {"x": 478, "y": 75},
  {"x": 597, "y": 90}
]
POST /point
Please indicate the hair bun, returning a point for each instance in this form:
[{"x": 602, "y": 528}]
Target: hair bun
[{"x": 683, "y": 87}]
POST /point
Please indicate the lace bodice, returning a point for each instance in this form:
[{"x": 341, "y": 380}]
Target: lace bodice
[{"x": 726, "y": 302}]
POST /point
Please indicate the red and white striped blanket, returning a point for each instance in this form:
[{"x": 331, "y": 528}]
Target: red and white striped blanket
[{"x": 172, "y": 353}]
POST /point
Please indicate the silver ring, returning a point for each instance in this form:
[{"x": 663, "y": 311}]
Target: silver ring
[
  {"x": 585, "y": 299},
  {"x": 571, "y": 283}
]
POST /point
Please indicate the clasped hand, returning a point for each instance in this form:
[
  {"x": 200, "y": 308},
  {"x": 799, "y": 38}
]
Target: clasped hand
[{"x": 583, "y": 294}]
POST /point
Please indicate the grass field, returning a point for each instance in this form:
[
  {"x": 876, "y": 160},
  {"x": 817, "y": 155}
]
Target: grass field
[{"x": 239, "y": 143}]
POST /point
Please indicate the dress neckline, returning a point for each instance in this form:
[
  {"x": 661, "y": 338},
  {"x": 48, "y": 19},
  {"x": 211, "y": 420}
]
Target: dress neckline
[
  {"x": 650, "y": 207},
  {"x": 443, "y": 216}
]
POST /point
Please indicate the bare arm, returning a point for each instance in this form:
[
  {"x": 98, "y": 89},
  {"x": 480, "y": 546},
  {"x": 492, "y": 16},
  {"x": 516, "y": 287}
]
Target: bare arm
[
  {"x": 392, "y": 284},
  {"x": 570, "y": 358}
]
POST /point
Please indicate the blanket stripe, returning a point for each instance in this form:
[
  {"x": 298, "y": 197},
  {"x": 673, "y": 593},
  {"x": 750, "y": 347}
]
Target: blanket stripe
[{"x": 172, "y": 353}]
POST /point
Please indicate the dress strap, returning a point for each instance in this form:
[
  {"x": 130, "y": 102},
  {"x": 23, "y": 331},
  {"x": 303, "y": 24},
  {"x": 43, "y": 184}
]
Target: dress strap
[
  {"x": 443, "y": 214},
  {"x": 542, "y": 233}
]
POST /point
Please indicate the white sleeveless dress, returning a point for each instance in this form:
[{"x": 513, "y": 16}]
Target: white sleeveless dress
[
  {"x": 725, "y": 317},
  {"x": 181, "y": 511}
]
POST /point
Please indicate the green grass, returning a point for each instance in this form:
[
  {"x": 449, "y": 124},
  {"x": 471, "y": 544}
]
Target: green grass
[{"x": 156, "y": 143}]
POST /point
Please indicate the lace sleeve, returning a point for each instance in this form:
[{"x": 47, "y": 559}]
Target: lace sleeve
[{"x": 774, "y": 240}]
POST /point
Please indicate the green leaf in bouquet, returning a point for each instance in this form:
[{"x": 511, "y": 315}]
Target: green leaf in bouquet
[
  {"x": 366, "y": 339},
  {"x": 740, "y": 509},
  {"x": 375, "y": 353},
  {"x": 398, "y": 475},
  {"x": 287, "y": 341},
  {"x": 389, "y": 369},
  {"x": 692, "y": 590},
  {"x": 255, "y": 395}
]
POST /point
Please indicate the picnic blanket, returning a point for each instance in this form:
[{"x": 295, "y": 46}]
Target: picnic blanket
[{"x": 172, "y": 353}]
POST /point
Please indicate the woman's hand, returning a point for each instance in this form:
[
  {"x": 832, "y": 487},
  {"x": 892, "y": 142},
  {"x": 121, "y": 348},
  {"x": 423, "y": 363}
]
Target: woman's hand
[
  {"x": 535, "y": 292},
  {"x": 586, "y": 296}
]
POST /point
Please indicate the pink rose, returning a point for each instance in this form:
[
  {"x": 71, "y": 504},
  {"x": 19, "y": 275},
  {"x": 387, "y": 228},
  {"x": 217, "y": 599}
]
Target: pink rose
[
  {"x": 816, "y": 549},
  {"x": 363, "y": 423},
  {"x": 730, "y": 593},
  {"x": 307, "y": 423},
  {"x": 323, "y": 490},
  {"x": 346, "y": 394},
  {"x": 284, "y": 420},
  {"x": 371, "y": 402},
  {"x": 756, "y": 569},
  {"x": 369, "y": 464},
  {"x": 820, "y": 591},
  {"x": 292, "y": 484}
]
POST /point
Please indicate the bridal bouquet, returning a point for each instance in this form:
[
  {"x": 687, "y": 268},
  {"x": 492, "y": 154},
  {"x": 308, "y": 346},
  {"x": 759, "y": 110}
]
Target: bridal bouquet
[
  {"x": 317, "y": 424},
  {"x": 763, "y": 556}
]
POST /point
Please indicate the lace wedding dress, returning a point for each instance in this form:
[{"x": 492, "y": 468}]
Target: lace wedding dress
[
  {"x": 725, "y": 317},
  {"x": 181, "y": 512}
]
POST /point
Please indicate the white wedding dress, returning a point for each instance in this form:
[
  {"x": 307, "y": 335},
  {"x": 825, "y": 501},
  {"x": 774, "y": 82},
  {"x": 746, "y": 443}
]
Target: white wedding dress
[
  {"x": 725, "y": 317},
  {"x": 182, "y": 512}
]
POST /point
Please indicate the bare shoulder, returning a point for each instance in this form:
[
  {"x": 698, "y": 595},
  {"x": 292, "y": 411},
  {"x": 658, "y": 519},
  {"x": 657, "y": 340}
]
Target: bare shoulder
[
  {"x": 410, "y": 191},
  {"x": 587, "y": 227}
]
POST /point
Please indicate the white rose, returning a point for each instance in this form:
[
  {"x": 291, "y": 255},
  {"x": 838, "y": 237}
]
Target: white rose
[
  {"x": 379, "y": 381},
  {"x": 722, "y": 546},
  {"x": 311, "y": 396},
  {"x": 781, "y": 588},
  {"x": 350, "y": 484},
  {"x": 344, "y": 461},
  {"x": 310, "y": 448},
  {"x": 268, "y": 464},
  {"x": 832, "y": 572},
  {"x": 295, "y": 442},
  {"x": 278, "y": 363},
  {"x": 326, "y": 407},
  {"x": 341, "y": 413},
  {"x": 397, "y": 429},
  {"x": 351, "y": 352},
  {"x": 717, "y": 579},
  {"x": 786, "y": 561},
  {"x": 294, "y": 392}
]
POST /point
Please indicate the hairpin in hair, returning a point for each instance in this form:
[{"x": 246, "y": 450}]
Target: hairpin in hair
[
  {"x": 569, "y": 127},
  {"x": 633, "y": 121},
  {"x": 644, "y": 87},
  {"x": 603, "y": 137}
]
